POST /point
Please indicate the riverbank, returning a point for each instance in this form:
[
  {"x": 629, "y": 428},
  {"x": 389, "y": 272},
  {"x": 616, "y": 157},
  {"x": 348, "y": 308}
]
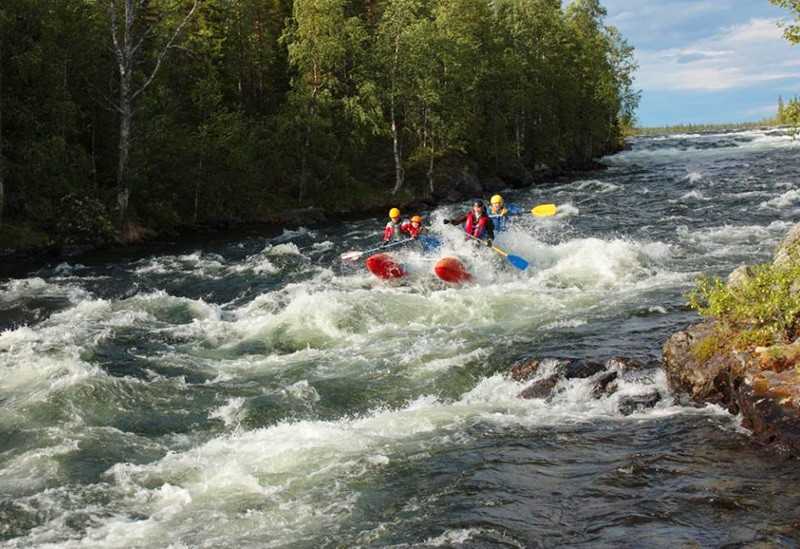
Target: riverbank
[
  {"x": 458, "y": 180},
  {"x": 762, "y": 383}
]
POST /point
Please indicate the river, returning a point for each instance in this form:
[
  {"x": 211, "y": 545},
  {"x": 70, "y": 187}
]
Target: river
[{"x": 254, "y": 391}]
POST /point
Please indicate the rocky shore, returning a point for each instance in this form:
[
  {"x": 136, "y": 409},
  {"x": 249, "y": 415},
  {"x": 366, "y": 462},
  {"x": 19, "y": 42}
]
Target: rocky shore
[{"x": 762, "y": 384}]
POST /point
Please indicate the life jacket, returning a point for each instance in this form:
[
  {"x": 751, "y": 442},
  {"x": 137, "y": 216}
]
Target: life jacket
[
  {"x": 499, "y": 218},
  {"x": 476, "y": 227},
  {"x": 410, "y": 230},
  {"x": 394, "y": 231}
]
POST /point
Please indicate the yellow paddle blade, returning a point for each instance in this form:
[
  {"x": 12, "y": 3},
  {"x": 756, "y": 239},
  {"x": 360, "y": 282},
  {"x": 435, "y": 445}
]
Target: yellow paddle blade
[{"x": 544, "y": 210}]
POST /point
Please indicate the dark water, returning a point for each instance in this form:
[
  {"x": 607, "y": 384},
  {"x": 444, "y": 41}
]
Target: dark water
[{"x": 254, "y": 391}]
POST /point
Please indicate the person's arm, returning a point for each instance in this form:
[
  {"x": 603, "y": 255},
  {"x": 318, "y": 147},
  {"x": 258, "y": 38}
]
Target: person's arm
[
  {"x": 489, "y": 230},
  {"x": 456, "y": 220},
  {"x": 387, "y": 232}
]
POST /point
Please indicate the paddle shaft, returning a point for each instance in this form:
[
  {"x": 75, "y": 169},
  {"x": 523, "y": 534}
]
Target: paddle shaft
[
  {"x": 352, "y": 256},
  {"x": 515, "y": 260}
]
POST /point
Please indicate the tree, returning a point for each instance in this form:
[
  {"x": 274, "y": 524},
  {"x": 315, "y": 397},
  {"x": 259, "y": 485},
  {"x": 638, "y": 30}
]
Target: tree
[
  {"x": 131, "y": 29},
  {"x": 47, "y": 56},
  {"x": 394, "y": 62},
  {"x": 330, "y": 97},
  {"x": 791, "y": 32}
]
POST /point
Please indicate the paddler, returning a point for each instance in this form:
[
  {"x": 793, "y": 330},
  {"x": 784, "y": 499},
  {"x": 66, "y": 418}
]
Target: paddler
[
  {"x": 414, "y": 227},
  {"x": 394, "y": 230},
  {"x": 477, "y": 223},
  {"x": 498, "y": 212}
]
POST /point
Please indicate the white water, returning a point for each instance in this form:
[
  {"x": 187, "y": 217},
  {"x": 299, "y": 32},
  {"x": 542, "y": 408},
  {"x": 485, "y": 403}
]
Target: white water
[{"x": 259, "y": 393}]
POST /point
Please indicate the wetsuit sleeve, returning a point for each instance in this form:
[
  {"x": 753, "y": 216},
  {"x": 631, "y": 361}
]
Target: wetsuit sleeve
[
  {"x": 407, "y": 229},
  {"x": 489, "y": 228},
  {"x": 459, "y": 220}
]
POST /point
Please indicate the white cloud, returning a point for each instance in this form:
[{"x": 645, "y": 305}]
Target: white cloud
[{"x": 737, "y": 56}]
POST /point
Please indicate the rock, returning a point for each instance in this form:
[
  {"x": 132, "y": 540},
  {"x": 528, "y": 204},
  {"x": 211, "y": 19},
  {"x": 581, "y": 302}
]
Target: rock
[
  {"x": 631, "y": 404},
  {"x": 768, "y": 400},
  {"x": 583, "y": 369},
  {"x": 604, "y": 385},
  {"x": 623, "y": 364},
  {"x": 540, "y": 389},
  {"x": 772, "y": 420},
  {"x": 739, "y": 275},
  {"x": 523, "y": 370},
  {"x": 709, "y": 380},
  {"x": 784, "y": 253}
]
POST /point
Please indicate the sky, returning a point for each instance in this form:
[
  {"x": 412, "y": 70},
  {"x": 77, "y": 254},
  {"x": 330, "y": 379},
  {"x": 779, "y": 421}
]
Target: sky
[{"x": 707, "y": 61}]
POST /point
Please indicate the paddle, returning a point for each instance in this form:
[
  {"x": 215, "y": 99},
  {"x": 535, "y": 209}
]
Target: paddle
[
  {"x": 543, "y": 210},
  {"x": 352, "y": 255},
  {"x": 515, "y": 260}
]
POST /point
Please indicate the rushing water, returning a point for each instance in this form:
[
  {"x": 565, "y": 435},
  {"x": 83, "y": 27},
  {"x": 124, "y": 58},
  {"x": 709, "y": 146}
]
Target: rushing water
[{"x": 256, "y": 392}]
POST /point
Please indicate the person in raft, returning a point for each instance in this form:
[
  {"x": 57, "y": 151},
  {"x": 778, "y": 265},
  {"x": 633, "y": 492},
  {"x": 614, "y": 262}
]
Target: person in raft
[
  {"x": 414, "y": 227},
  {"x": 499, "y": 212},
  {"x": 477, "y": 223},
  {"x": 395, "y": 230}
]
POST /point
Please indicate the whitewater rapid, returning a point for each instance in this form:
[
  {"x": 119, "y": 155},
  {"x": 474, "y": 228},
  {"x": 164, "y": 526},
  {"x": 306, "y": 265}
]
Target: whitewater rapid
[{"x": 257, "y": 392}]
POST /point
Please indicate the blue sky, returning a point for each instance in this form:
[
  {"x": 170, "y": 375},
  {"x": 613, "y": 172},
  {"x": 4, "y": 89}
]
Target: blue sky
[{"x": 704, "y": 61}]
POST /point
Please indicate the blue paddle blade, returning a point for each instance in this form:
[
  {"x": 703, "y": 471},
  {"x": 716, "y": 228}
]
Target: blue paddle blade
[
  {"x": 429, "y": 244},
  {"x": 518, "y": 262}
]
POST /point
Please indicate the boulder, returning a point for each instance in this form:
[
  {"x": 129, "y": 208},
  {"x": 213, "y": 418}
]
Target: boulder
[
  {"x": 636, "y": 403},
  {"x": 712, "y": 380},
  {"x": 540, "y": 389},
  {"x": 784, "y": 253}
]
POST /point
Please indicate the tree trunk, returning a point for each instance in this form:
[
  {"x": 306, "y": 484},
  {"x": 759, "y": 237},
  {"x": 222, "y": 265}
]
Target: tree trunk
[
  {"x": 430, "y": 170},
  {"x": 126, "y": 45},
  {"x": 2, "y": 187},
  {"x": 125, "y": 118},
  {"x": 399, "y": 172},
  {"x": 197, "y": 192}
]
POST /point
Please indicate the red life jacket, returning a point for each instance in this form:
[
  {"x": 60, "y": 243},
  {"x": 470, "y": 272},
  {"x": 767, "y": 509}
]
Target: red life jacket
[
  {"x": 410, "y": 230},
  {"x": 476, "y": 227}
]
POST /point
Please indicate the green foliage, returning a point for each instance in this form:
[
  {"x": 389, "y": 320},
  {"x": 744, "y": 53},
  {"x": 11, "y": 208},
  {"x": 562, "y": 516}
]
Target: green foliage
[
  {"x": 83, "y": 219},
  {"x": 791, "y": 116},
  {"x": 22, "y": 237},
  {"x": 267, "y": 104},
  {"x": 791, "y": 31},
  {"x": 761, "y": 309},
  {"x": 691, "y": 128}
]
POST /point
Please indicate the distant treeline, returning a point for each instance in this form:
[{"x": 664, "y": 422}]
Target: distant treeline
[
  {"x": 160, "y": 113},
  {"x": 694, "y": 128},
  {"x": 786, "y": 114}
]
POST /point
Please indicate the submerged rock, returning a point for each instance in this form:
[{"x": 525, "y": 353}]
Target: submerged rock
[
  {"x": 602, "y": 375},
  {"x": 540, "y": 389},
  {"x": 636, "y": 403}
]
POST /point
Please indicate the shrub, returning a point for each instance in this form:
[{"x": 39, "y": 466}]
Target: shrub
[
  {"x": 762, "y": 309},
  {"x": 83, "y": 219}
]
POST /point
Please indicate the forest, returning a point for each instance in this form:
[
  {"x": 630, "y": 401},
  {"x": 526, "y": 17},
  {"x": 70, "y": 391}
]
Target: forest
[{"x": 160, "y": 114}]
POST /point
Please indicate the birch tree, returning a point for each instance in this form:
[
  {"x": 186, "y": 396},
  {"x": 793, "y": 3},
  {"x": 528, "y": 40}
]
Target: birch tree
[{"x": 129, "y": 34}]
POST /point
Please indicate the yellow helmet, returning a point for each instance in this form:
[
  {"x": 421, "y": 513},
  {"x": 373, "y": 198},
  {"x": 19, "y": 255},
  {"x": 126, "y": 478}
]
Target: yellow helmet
[
  {"x": 497, "y": 199},
  {"x": 394, "y": 212},
  {"x": 416, "y": 219}
]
